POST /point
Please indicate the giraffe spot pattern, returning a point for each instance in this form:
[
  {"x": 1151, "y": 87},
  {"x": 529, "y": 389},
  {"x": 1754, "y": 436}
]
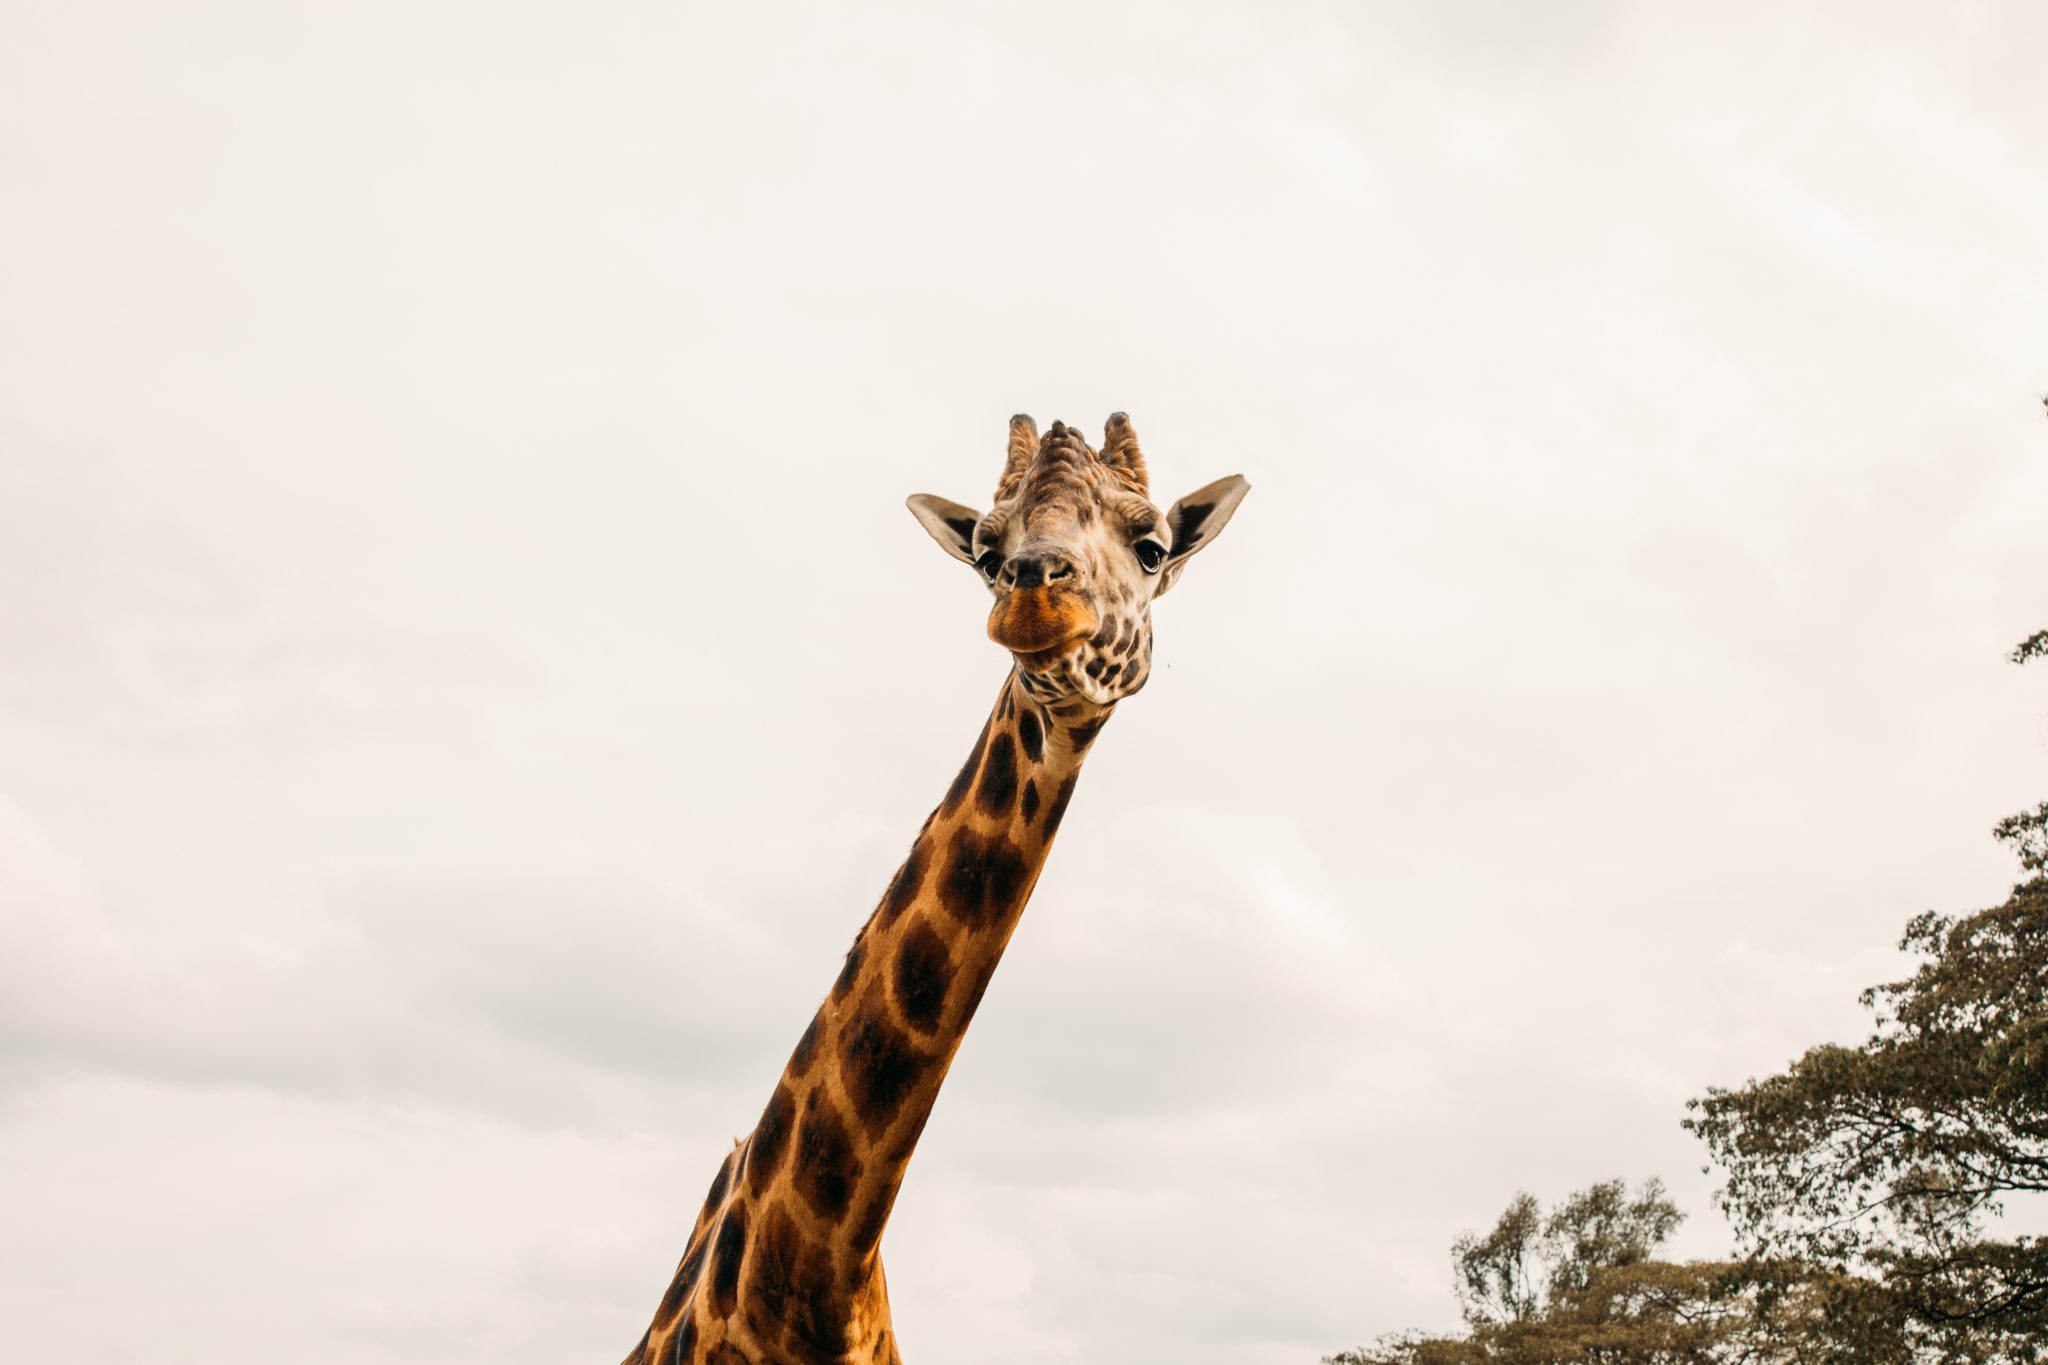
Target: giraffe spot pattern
[
  {"x": 869, "y": 1233},
  {"x": 790, "y": 1281},
  {"x": 903, "y": 887},
  {"x": 725, "y": 1261},
  {"x": 957, "y": 793},
  {"x": 984, "y": 878},
  {"x": 882, "y": 1067},
  {"x": 826, "y": 1167},
  {"x": 1029, "y": 805},
  {"x": 770, "y": 1141},
  {"x": 718, "y": 1185},
  {"x": 1041, "y": 687},
  {"x": 998, "y": 785},
  {"x": 1031, "y": 734},
  {"x": 806, "y": 1051},
  {"x": 679, "y": 1289},
  {"x": 1084, "y": 733},
  {"x": 979, "y": 988},
  {"x": 1058, "y": 808},
  {"x": 672, "y": 1302},
  {"x": 924, "y": 969},
  {"x": 850, "y": 970}
]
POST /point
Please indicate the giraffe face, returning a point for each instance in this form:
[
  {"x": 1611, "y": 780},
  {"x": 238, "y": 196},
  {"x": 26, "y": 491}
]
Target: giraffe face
[{"x": 1073, "y": 552}]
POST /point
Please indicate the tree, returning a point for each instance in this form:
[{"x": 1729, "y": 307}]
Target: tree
[
  {"x": 1865, "y": 1182},
  {"x": 1597, "y": 1228},
  {"x": 1583, "y": 1286},
  {"x": 1601, "y": 1228},
  {"x": 1891, "y": 1161},
  {"x": 1494, "y": 1283}
]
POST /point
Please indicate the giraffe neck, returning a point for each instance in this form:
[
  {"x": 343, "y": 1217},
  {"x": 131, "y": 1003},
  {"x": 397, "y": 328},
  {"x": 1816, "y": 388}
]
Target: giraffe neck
[
  {"x": 784, "y": 1256},
  {"x": 871, "y": 1063}
]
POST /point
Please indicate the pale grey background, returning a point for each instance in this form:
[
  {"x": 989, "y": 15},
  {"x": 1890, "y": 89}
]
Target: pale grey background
[{"x": 467, "y": 671}]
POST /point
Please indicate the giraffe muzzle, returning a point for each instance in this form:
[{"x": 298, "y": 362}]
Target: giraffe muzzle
[{"x": 1040, "y": 619}]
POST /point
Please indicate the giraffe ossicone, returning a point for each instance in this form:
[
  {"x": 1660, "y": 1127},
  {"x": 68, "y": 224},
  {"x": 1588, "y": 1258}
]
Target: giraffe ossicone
[{"x": 783, "y": 1264}]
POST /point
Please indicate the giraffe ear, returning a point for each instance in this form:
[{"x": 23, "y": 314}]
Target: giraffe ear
[
  {"x": 1197, "y": 519},
  {"x": 949, "y": 523}
]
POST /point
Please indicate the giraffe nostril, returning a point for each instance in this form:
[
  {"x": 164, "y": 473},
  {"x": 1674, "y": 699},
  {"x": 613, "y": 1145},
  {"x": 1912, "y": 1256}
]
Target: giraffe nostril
[{"x": 1037, "y": 569}]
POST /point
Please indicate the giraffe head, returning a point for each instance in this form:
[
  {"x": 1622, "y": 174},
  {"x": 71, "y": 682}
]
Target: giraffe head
[{"x": 1073, "y": 551}]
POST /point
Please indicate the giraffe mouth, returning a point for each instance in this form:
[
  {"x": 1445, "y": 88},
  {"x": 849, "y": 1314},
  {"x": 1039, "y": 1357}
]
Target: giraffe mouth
[{"x": 1040, "y": 624}]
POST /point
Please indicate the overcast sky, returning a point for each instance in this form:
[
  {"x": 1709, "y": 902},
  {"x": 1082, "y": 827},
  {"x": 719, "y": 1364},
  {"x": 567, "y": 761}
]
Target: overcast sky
[{"x": 466, "y": 671}]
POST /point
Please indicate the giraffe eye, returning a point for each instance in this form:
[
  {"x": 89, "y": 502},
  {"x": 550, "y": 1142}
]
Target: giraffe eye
[
  {"x": 1151, "y": 554},
  {"x": 990, "y": 564}
]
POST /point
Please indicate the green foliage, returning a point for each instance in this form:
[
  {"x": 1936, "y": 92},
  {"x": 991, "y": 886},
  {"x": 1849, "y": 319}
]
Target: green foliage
[
  {"x": 1602, "y": 1228},
  {"x": 2027, "y": 832},
  {"x": 2027, "y": 835},
  {"x": 1678, "y": 1313},
  {"x": 1914, "y": 1135},
  {"x": 1583, "y": 1286},
  {"x": 1598, "y": 1228},
  {"x": 1493, "y": 1278}
]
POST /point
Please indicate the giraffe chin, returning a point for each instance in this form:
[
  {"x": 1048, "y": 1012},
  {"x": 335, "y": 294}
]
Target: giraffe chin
[{"x": 1044, "y": 660}]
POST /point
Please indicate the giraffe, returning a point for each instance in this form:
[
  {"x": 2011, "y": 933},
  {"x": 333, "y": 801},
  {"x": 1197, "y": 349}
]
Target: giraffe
[{"x": 783, "y": 1264}]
